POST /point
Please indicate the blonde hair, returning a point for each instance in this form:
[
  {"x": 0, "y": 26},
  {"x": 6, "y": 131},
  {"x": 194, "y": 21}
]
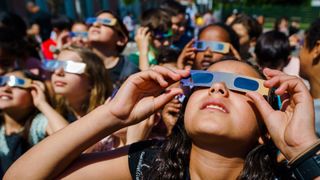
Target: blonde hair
[{"x": 98, "y": 78}]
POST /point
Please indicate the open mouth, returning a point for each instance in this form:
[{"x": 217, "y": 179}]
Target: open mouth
[
  {"x": 216, "y": 105},
  {"x": 217, "y": 108},
  {"x": 5, "y": 97}
]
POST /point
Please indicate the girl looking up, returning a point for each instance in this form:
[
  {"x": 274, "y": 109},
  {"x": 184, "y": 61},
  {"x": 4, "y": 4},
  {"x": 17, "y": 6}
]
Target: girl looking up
[
  {"x": 81, "y": 82},
  {"x": 217, "y": 136},
  {"x": 22, "y": 100}
]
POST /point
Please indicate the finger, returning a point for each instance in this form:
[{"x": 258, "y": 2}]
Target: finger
[
  {"x": 278, "y": 80},
  {"x": 40, "y": 84},
  {"x": 174, "y": 75},
  {"x": 296, "y": 88},
  {"x": 33, "y": 93},
  {"x": 173, "y": 110},
  {"x": 262, "y": 105},
  {"x": 272, "y": 72},
  {"x": 166, "y": 97},
  {"x": 190, "y": 43},
  {"x": 35, "y": 87},
  {"x": 235, "y": 52},
  {"x": 189, "y": 54},
  {"x": 144, "y": 31}
]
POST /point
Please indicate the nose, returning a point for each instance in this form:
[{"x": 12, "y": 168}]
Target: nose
[
  {"x": 5, "y": 88},
  {"x": 219, "y": 88},
  {"x": 96, "y": 24},
  {"x": 59, "y": 71}
]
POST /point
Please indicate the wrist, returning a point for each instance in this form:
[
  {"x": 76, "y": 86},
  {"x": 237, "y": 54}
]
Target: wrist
[
  {"x": 296, "y": 151},
  {"x": 41, "y": 105}
]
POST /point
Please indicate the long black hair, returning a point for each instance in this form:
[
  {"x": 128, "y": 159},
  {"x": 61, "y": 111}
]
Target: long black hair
[{"x": 173, "y": 160}]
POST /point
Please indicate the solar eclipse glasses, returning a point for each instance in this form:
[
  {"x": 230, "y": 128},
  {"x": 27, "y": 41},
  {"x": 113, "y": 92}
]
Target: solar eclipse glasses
[
  {"x": 234, "y": 82},
  {"x": 67, "y": 66},
  {"x": 104, "y": 21},
  {"x": 215, "y": 46},
  {"x": 14, "y": 81},
  {"x": 79, "y": 34}
]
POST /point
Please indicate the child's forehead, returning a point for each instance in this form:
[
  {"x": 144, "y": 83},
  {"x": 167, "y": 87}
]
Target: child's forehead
[
  {"x": 235, "y": 67},
  {"x": 214, "y": 33},
  {"x": 67, "y": 55},
  {"x": 105, "y": 15},
  {"x": 16, "y": 73}
]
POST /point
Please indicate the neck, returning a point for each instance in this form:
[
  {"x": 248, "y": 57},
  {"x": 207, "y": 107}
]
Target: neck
[
  {"x": 110, "y": 56},
  {"x": 315, "y": 87},
  {"x": 13, "y": 121},
  {"x": 76, "y": 105},
  {"x": 206, "y": 163}
]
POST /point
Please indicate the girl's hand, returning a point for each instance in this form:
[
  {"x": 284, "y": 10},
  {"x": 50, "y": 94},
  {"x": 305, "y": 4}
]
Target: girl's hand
[
  {"x": 63, "y": 40},
  {"x": 142, "y": 94},
  {"x": 292, "y": 129},
  {"x": 141, "y": 131},
  {"x": 142, "y": 39},
  {"x": 170, "y": 113},
  {"x": 37, "y": 92},
  {"x": 187, "y": 56},
  {"x": 235, "y": 53}
]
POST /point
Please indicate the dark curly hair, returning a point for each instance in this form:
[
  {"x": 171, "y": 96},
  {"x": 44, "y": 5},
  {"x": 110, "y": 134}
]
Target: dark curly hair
[
  {"x": 173, "y": 160},
  {"x": 313, "y": 34}
]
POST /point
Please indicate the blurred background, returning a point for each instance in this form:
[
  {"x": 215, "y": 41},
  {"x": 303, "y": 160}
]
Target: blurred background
[{"x": 302, "y": 11}]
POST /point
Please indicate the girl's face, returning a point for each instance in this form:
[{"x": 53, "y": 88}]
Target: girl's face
[
  {"x": 243, "y": 34},
  {"x": 99, "y": 33},
  {"x": 15, "y": 98},
  {"x": 68, "y": 84},
  {"x": 178, "y": 26},
  {"x": 205, "y": 58},
  {"x": 79, "y": 41},
  {"x": 219, "y": 115}
]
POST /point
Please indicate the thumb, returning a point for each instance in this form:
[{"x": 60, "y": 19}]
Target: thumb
[
  {"x": 263, "y": 106},
  {"x": 166, "y": 97},
  {"x": 33, "y": 93}
]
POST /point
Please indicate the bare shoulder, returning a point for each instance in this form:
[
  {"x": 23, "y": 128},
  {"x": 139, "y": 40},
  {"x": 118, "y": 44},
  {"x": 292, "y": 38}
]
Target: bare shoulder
[{"x": 104, "y": 165}]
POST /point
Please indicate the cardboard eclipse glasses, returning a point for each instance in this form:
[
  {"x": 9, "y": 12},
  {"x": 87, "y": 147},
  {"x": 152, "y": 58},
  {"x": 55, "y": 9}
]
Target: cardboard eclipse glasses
[
  {"x": 234, "y": 82},
  {"x": 14, "y": 81},
  {"x": 79, "y": 34},
  {"x": 67, "y": 66},
  {"x": 215, "y": 46},
  {"x": 104, "y": 21}
]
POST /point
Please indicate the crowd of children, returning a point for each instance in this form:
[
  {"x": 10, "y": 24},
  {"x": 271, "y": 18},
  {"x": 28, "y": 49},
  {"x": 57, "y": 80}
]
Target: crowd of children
[{"x": 226, "y": 101}]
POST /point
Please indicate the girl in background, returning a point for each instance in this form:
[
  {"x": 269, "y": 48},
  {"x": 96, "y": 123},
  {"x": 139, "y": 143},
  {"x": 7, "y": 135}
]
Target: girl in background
[
  {"x": 220, "y": 134},
  {"x": 23, "y": 115},
  {"x": 79, "y": 93}
]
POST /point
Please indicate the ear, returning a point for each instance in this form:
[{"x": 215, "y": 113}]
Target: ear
[
  {"x": 122, "y": 41},
  {"x": 316, "y": 55}
]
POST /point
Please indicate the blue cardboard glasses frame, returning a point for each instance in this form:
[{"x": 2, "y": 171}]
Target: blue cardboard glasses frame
[
  {"x": 104, "y": 21},
  {"x": 234, "y": 82},
  {"x": 14, "y": 81},
  {"x": 79, "y": 34},
  {"x": 215, "y": 46}
]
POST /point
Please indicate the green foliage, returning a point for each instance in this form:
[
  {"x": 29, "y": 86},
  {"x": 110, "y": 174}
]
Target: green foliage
[{"x": 128, "y": 2}]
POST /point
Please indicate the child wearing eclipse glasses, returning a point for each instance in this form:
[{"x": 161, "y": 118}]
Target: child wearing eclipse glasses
[
  {"x": 214, "y": 42},
  {"x": 154, "y": 35},
  {"x": 79, "y": 80},
  {"x": 26, "y": 116},
  {"x": 108, "y": 37},
  {"x": 226, "y": 130}
]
